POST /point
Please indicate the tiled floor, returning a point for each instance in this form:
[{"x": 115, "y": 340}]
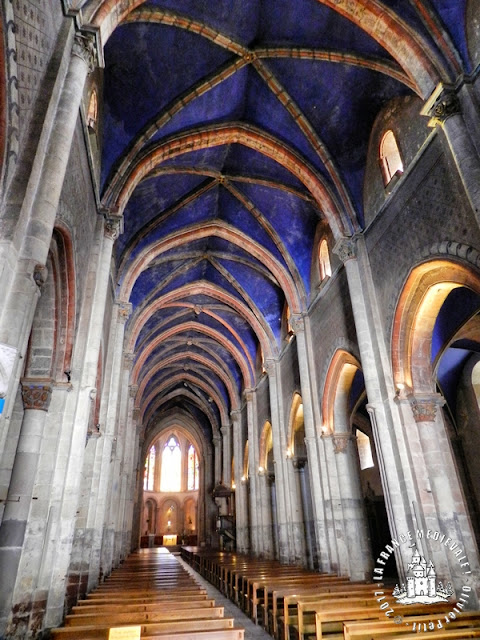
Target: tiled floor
[{"x": 252, "y": 631}]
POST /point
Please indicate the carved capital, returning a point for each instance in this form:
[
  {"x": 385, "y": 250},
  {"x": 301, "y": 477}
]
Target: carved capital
[
  {"x": 340, "y": 442},
  {"x": 127, "y": 360},
  {"x": 236, "y": 415},
  {"x": 216, "y": 441},
  {"x": 36, "y": 394},
  {"x": 270, "y": 367},
  {"x": 132, "y": 391},
  {"x": 40, "y": 275},
  {"x": 124, "y": 311},
  {"x": 112, "y": 227},
  {"x": 84, "y": 48},
  {"x": 346, "y": 248},
  {"x": 249, "y": 394},
  {"x": 299, "y": 462},
  {"x": 424, "y": 407},
  {"x": 445, "y": 104},
  {"x": 297, "y": 320},
  {"x": 225, "y": 429},
  {"x": 136, "y": 414}
]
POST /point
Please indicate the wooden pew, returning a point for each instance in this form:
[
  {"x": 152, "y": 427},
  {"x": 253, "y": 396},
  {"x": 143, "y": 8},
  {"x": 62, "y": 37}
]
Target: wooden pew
[
  {"x": 259, "y": 591},
  {"x": 166, "y": 614},
  {"x": 156, "y": 595},
  {"x": 221, "y": 629},
  {"x": 285, "y": 601},
  {"x": 385, "y": 629},
  {"x": 330, "y": 619}
]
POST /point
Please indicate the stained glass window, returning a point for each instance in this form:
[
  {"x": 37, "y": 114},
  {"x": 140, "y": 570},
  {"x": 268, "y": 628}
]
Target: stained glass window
[
  {"x": 149, "y": 470},
  {"x": 192, "y": 469},
  {"x": 171, "y": 479}
]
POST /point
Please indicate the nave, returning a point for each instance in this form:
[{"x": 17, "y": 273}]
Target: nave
[{"x": 216, "y": 595}]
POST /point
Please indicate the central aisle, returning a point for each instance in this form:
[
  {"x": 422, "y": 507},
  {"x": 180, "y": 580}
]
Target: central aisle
[{"x": 252, "y": 631}]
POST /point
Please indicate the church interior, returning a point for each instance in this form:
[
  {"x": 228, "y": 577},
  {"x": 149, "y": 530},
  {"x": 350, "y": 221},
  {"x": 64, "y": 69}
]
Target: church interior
[{"x": 240, "y": 267}]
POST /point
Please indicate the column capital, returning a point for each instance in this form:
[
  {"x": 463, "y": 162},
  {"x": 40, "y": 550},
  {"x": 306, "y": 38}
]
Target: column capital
[
  {"x": 113, "y": 226},
  {"x": 249, "y": 394},
  {"x": 425, "y": 406},
  {"x": 40, "y": 275},
  {"x": 299, "y": 462},
  {"x": 346, "y": 248},
  {"x": 36, "y": 394},
  {"x": 236, "y": 415},
  {"x": 340, "y": 442},
  {"x": 124, "y": 311},
  {"x": 225, "y": 429},
  {"x": 216, "y": 440},
  {"x": 128, "y": 357},
  {"x": 441, "y": 105},
  {"x": 136, "y": 414},
  {"x": 270, "y": 367},
  {"x": 132, "y": 390},
  {"x": 84, "y": 48},
  {"x": 297, "y": 320}
]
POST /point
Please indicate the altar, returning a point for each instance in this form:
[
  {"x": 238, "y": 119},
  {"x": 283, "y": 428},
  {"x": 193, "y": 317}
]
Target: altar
[{"x": 170, "y": 540}]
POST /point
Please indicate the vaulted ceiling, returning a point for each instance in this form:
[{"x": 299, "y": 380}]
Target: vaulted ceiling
[{"x": 231, "y": 129}]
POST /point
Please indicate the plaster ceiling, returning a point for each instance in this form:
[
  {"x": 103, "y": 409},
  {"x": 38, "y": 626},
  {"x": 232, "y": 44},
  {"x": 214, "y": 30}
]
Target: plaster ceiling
[{"x": 231, "y": 129}]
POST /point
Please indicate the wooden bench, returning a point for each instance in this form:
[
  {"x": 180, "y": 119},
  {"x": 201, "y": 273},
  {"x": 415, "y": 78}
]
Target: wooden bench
[
  {"x": 221, "y": 629},
  {"x": 158, "y": 597},
  {"x": 330, "y": 619},
  {"x": 390, "y": 629},
  {"x": 165, "y": 614},
  {"x": 285, "y": 601}
]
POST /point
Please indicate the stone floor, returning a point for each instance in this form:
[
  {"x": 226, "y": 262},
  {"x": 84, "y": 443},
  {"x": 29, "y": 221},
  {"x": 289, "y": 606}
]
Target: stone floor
[{"x": 252, "y": 631}]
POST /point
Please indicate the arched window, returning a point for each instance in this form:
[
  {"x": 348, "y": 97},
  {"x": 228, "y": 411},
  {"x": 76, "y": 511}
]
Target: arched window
[
  {"x": 171, "y": 479},
  {"x": 364, "y": 450},
  {"x": 192, "y": 483},
  {"x": 149, "y": 470},
  {"x": 324, "y": 260},
  {"x": 390, "y": 160},
  {"x": 92, "y": 111}
]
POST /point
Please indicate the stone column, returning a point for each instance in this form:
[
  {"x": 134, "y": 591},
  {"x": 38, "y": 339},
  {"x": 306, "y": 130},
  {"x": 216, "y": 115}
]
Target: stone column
[
  {"x": 354, "y": 543},
  {"x": 286, "y": 537},
  {"x": 441, "y": 505},
  {"x": 273, "y": 502},
  {"x": 241, "y": 515},
  {"x": 36, "y": 395},
  {"x": 253, "y": 463},
  {"x": 19, "y": 297},
  {"x": 218, "y": 459},
  {"x": 226, "y": 431},
  {"x": 397, "y": 481},
  {"x": 84, "y": 371},
  {"x": 445, "y": 111},
  {"x": 310, "y": 400},
  {"x": 299, "y": 465}
]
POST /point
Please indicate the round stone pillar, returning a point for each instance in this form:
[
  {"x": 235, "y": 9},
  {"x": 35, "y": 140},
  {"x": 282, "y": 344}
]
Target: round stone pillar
[
  {"x": 36, "y": 396},
  {"x": 444, "y": 109}
]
